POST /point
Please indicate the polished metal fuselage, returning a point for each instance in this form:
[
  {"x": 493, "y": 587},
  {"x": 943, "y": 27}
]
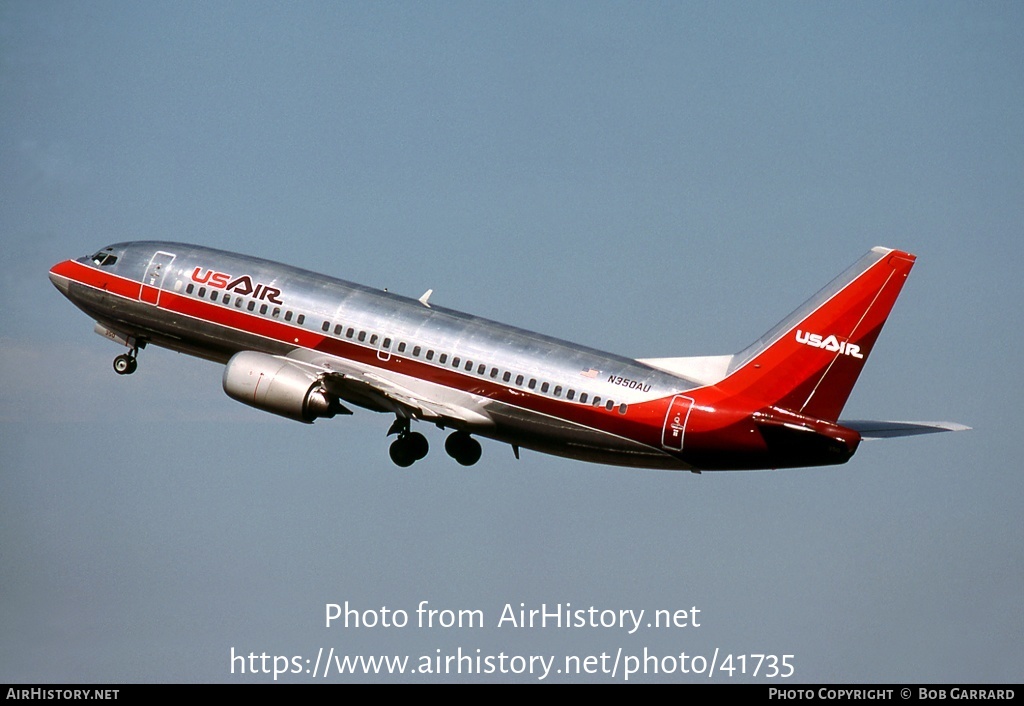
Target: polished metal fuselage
[{"x": 283, "y": 310}]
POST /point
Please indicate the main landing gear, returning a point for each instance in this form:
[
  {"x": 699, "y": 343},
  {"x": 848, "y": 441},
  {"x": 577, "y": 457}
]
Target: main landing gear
[
  {"x": 407, "y": 450},
  {"x": 126, "y": 363},
  {"x": 411, "y": 446},
  {"x": 463, "y": 448}
]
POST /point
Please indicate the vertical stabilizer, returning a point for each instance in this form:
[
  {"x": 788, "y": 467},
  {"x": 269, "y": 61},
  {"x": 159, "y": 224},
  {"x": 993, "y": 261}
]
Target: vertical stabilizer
[{"x": 810, "y": 361}]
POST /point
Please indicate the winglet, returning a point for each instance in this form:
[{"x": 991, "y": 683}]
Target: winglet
[{"x": 425, "y": 297}]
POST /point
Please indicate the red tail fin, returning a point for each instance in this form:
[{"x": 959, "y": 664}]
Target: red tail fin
[{"x": 810, "y": 361}]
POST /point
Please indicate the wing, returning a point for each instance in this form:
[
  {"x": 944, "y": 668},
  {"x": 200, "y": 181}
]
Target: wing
[{"x": 403, "y": 396}]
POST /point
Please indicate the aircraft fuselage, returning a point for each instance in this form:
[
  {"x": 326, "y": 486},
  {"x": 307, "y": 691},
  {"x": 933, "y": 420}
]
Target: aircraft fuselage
[{"x": 301, "y": 344}]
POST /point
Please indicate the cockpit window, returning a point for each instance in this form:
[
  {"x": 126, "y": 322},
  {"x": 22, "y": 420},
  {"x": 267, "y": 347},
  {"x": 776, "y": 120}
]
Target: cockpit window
[{"x": 103, "y": 258}]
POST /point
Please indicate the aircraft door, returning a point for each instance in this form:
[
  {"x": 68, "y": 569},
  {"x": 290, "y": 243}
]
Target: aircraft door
[
  {"x": 675, "y": 422},
  {"x": 154, "y": 277}
]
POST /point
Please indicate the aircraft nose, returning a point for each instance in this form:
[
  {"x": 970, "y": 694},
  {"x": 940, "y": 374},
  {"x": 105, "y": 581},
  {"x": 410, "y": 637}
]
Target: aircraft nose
[{"x": 59, "y": 281}]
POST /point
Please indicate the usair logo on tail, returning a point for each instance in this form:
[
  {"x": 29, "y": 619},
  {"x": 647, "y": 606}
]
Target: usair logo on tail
[{"x": 830, "y": 343}]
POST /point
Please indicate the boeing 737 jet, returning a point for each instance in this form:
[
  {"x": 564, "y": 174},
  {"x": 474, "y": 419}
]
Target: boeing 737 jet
[{"x": 305, "y": 346}]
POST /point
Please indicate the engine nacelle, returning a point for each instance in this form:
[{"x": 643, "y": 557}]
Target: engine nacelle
[{"x": 275, "y": 385}]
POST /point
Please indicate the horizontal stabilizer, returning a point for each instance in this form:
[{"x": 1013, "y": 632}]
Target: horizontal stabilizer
[{"x": 876, "y": 429}]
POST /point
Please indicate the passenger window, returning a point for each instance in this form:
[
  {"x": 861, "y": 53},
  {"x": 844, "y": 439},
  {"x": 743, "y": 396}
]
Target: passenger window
[
  {"x": 288, "y": 316},
  {"x": 570, "y": 394},
  {"x": 227, "y": 299},
  {"x": 401, "y": 347},
  {"x": 238, "y": 303},
  {"x": 362, "y": 336},
  {"x": 609, "y": 405},
  {"x": 373, "y": 339},
  {"x": 533, "y": 384},
  {"x": 277, "y": 312},
  {"x": 430, "y": 355},
  {"x": 416, "y": 351},
  {"x": 325, "y": 326},
  {"x": 519, "y": 380},
  {"x": 481, "y": 369},
  {"x": 494, "y": 372},
  {"x": 544, "y": 387},
  {"x": 583, "y": 397},
  {"x": 338, "y": 328},
  {"x": 263, "y": 309},
  {"x": 597, "y": 401},
  {"x": 469, "y": 366},
  {"x": 350, "y": 333},
  {"x": 507, "y": 376},
  {"x": 252, "y": 305},
  {"x": 190, "y": 288},
  {"x": 213, "y": 295},
  {"x": 456, "y": 362},
  {"x": 387, "y": 343},
  {"x": 622, "y": 408},
  {"x": 443, "y": 358},
  {"x": 202, "y": 292},
  {"x": 302, "y": 318},
  {"x": 558, "y": 390}
]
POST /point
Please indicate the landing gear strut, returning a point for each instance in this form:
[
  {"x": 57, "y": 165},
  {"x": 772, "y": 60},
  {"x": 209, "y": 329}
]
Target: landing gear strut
[
  {"x": 409, "y": 447},
  {"x": 126, "y": 364}
]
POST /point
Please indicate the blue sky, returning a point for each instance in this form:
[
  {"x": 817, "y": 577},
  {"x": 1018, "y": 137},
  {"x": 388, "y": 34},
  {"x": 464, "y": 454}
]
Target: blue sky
[{"x": 651, "y": 179}]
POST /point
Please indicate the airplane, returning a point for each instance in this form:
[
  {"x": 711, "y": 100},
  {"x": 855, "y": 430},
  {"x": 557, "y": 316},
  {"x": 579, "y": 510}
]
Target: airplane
[{"x": 304, "y": 346}]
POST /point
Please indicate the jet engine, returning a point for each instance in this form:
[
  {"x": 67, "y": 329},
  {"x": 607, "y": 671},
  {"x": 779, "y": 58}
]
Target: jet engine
[{"x": 275, "y": 385}]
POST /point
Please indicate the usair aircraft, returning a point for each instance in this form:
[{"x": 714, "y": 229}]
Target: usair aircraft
[{"x": 305, "y": 346}]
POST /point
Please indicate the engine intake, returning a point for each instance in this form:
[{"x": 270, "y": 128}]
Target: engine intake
[{"x": 275, "y": 385}]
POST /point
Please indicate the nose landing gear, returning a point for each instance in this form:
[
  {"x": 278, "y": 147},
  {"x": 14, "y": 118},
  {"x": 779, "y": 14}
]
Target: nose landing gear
[{"x": 126, "y": 363}]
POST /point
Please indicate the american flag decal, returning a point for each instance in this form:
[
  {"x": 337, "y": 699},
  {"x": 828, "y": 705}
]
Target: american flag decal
[{"x": 590, "y": 373}]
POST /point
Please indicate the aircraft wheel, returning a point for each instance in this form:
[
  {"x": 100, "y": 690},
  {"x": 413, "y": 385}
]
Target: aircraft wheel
[
  {"x": 124, "y": 364},
  {"x": 401, "y": 453},
  {"x": 417, "y": 444},
  {"x": 463, "y": 448}
]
